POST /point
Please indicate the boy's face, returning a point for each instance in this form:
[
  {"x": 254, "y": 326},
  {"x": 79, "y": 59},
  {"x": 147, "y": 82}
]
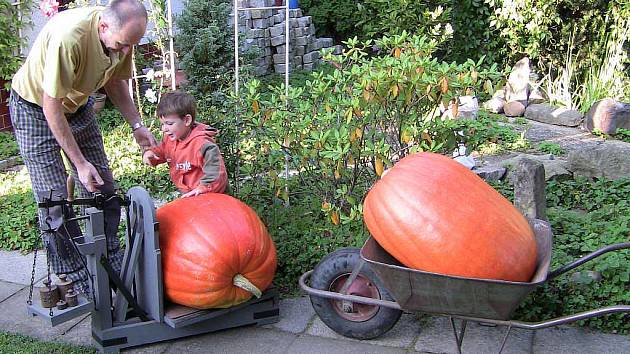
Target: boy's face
[{"x": 175, "y": 127}]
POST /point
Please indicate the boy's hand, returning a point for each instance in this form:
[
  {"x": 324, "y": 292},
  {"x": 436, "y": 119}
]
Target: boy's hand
[
  {"x": 199, "y": 190},
  {"x": 149, "y": 155}
]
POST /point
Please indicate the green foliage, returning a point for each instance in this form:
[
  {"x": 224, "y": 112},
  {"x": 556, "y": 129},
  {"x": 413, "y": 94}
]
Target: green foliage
[
  {"x": 421, "y": 17},
  {"x": 20, "y": 344},
  {"x": 473, "y": 36},
  {"x": 344, "y": 127},
  {"x": 8, "y": 146},
  {"x": 10, "y": 25},
  {"x": 550, "y": 148},
  {"x": 585, "y": 216},
  {"x": 18, "y": 221},
  {"x": 206, "y": 48},
  {"x": 334, "y": 18}
]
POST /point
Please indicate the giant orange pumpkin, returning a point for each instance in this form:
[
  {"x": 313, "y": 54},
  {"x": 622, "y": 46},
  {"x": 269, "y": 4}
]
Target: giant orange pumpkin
[
  {"x": 435, "y": 215},
  {"x": 216, "y": 252}
]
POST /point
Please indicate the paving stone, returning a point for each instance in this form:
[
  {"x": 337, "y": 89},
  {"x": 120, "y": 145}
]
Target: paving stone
[
  {"x": 308, "y": 344},
  {"x": 401, "y": 336},
  {"x": 16, "y": 267},
  {"x": 436, "y": 336},
  {"x": 7, "y": 289},
  {"x": 295, "y": 315},
  {"x": 570, "y": 340},
  {"x": 15, "y": 319},
  {"x": 238, "y": 340}
]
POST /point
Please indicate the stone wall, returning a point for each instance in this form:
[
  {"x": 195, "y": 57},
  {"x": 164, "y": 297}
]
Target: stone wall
[{"x": 265, "y": 30}]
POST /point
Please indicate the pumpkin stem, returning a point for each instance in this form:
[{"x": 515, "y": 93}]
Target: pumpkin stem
[{"x": 242, "y": 282}]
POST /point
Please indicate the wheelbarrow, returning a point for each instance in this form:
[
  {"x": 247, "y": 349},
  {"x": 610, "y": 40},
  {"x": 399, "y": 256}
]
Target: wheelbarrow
[{"x": 361, "y": 293}]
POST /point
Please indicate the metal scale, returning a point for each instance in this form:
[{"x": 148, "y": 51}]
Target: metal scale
[{"x": 140, "y": 315}]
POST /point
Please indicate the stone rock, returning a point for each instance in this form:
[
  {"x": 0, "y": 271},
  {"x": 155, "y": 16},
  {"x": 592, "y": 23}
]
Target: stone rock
[
  {"x": 607, "y": 116},
  {"x": 279, "y": 68},
  {"x": 276, "y": 41},
  {"x": 301, "y": 41},
  {"x": 514, "y": 108},
  {"x": 610, "y": 159},
  {"x": 305, "y": 21},
  {"x": 276, "y": 30},
  {"x": 546, "y": 113},
  {"x": 490, "y": 173},
  {"x": 278, "y": 59},
  {"x": 496, "y": 103},
  {"x": 338, "y": 49},
  {"x": 518, "y": 81},
  {"x": 295, "y": 13},
  {"x": 257, "y": 14},
  {"x": 536, "y": 95},
  {"x": 529, "y": 188},
  {"x": 554, "y": 168},
  {"x": 311, "y": 57},
  {"x": 309, "y": 66},
  {"x": 326, "y": 42}
]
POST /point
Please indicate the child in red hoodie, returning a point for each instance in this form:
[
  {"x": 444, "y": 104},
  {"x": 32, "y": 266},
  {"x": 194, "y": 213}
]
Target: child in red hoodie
[{"x": 193, "y": 157}]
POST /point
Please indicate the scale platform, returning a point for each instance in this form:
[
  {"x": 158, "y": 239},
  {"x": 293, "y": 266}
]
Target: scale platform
[{"x": 60, "y": 316}]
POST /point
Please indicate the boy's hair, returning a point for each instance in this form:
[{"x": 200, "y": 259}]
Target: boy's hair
[{"x": 177, "y": 102}]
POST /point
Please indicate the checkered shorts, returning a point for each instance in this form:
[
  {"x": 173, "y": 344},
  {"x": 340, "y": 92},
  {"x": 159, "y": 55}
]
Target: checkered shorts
[{"x": 42, "y": 156}]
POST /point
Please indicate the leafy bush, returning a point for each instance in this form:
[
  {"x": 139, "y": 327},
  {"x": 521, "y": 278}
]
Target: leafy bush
[
  {"x": 10, "y": 42},
  {"x": 585, "y": 216},
  {"x": 206, "y": 47},
  {"x": 8, "y": 146},
  {"x": 344, "y": 127},
  {"x": 387, "y": 17},
  {"x": 473, "y": 36},
  {"x": 334, "y": 18}
]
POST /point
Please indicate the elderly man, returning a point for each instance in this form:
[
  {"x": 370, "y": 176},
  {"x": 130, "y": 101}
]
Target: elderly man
[{"x": 78, "y": 52}]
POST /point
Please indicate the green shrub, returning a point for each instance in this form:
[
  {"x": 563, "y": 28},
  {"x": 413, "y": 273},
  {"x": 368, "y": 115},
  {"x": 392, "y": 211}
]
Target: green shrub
[
  {"x": 206, "y": 48},
  {"x": 473, "y": 36},
  {"x": 8, "y": 146},
  {"x": 378, "y": 18},
  {"x": 585, "y": 216},
  {"x": 334, "y": 18},
  {"x": 550, "y": 148}
]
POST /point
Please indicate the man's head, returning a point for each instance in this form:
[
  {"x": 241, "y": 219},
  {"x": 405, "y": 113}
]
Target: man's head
[
  {"x": 122, "y": 25},
  {"x": 177, "y": 111}
]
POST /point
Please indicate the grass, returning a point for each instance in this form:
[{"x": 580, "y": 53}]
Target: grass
[{"x": 19, "y": 344}]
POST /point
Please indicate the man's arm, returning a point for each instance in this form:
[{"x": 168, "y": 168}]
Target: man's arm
[
  {"x": 118, "y": 92},
  {"x": 53, "y": 110}
]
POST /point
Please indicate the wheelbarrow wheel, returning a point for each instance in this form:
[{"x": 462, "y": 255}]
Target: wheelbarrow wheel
[{"x": 351, "y": 319}]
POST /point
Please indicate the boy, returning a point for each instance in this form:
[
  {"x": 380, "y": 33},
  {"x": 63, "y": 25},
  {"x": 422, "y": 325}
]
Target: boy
[{"x": 193, "y": 157}]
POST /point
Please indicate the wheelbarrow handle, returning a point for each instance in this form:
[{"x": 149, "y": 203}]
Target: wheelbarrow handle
[{"x": 588, "y": 257}]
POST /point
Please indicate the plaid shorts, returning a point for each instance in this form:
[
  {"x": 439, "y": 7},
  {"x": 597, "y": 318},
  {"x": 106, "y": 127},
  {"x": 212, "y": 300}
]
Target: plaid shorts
[{"x": 42, "y": 156}]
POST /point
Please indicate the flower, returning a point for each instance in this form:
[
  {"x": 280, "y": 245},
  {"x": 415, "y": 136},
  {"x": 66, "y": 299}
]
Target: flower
[
  {"x": 150, "y": 95},
  {"x": 150, "y": 75},
  {"x": 49, "y": 7}
]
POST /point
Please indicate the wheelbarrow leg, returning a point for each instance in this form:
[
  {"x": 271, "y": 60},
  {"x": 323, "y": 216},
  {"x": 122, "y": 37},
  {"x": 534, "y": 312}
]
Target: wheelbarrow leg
[
  {"x": 458, "y": 338},
  {"x": 505, "y": 337}
]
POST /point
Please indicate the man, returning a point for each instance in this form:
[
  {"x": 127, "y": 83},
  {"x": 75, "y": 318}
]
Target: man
[{"x": 76, "y": 53}]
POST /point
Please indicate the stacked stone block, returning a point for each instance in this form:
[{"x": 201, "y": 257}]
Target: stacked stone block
[{"x": 265, "y": 30}]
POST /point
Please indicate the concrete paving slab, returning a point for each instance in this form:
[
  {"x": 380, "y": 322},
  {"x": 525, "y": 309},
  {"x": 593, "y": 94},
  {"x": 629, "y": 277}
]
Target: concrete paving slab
[
  {"x": 295, "y": 315},
  {"x": 437, "y": 337},
  {"x": 401, "y": 336},
  {"x": 234, "y": 341},
  {"x": 16, "y": 267},
  {"x": 159, "y": 348},
  {"x": 569, "y": 340},
  {"x": 79, "y": 334},
  {"x": 306, "y": 344},
  {"x": 16, "y": 319},
  {"x": 7, "y": 289}
]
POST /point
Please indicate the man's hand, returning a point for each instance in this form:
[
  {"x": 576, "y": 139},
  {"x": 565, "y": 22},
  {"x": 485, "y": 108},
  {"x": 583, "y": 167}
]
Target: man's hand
[
  {"x": 89, "y": 177},
  {"x": 144, "y": 137},
  {"x": 148, "y": 156}
]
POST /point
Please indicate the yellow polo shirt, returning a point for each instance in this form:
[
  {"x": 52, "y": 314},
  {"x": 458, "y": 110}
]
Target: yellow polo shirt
[{"x": 68, "y": 61}]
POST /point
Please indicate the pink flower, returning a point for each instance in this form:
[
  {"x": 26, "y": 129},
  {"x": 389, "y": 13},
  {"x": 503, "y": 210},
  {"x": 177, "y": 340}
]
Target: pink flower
[{"x": 49, "y": 7}]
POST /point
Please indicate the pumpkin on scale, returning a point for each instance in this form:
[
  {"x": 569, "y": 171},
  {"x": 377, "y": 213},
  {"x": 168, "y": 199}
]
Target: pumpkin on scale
[
  {"x": 433, "y": 214},
  {"x": 216, "y": 252}
]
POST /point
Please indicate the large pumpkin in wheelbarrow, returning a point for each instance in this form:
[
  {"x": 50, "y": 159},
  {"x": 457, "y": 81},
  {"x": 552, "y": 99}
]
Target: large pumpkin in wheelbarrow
[
  {"x": 216, "y": 252},
  {"x": 433, "y": 214}
]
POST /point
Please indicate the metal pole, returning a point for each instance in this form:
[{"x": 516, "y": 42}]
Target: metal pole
[
  {"x": 170, "y": 43},
  {"x": 286, "y": 91},
  {"x": 236, "y": 91}
]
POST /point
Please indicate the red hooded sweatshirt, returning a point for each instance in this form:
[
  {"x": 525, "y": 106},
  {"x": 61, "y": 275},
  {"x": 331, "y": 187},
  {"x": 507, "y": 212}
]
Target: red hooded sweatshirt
[{"x": 194, "y": 161}]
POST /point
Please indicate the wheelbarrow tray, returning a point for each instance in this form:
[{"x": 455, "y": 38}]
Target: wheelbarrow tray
[{"x": 416, "y": 290}]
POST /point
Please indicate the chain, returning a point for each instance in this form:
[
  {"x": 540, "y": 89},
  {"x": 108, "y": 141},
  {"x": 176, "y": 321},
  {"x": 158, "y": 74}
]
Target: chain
[
  {"x": 30, "y": 289},
  {"x": 50, "y": 313}
]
